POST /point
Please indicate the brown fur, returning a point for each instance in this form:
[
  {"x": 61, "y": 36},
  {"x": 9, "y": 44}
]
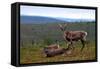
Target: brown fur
[
  {"x": 53, "y": 46},
  {"x": 54, "y": 52}
]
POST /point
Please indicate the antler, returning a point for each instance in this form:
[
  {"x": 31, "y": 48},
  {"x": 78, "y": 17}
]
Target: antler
[{"x": 61, "y": 27}]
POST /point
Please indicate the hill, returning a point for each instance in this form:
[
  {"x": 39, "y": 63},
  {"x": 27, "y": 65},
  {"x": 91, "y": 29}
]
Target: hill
[{"x": 43, "y": 20}]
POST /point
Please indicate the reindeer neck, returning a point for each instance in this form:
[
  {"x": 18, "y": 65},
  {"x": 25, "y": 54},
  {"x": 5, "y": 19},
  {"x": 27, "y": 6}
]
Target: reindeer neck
[{"x": 65, "y": 32}]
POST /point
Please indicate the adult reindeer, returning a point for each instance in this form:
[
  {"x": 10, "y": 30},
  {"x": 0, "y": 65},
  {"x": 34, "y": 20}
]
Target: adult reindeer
[{"x": 73, "y": 36}]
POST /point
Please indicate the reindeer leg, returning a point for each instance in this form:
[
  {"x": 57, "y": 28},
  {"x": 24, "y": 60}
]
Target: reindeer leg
[
  {"x": 70, "y": 45},
  {"x": 70, "y": 48},
  {"x": 73, "y": 46},
  {"x": 83, "y": 43}
]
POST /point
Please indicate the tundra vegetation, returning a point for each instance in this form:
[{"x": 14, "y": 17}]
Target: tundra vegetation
[{"x": 34, "y": 37}]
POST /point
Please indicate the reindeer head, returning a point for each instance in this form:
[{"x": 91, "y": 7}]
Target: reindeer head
[{"x": 62, "y": 27}]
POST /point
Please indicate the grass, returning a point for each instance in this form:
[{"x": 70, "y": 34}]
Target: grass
[{"x": 34, "y": 54}]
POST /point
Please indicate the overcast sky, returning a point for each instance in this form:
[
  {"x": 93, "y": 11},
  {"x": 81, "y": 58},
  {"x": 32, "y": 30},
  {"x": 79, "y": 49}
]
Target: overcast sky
[{"x": 58, "y": 12}]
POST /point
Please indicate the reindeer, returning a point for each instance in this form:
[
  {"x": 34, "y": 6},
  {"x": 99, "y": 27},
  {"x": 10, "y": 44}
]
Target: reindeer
[
  {"x": 73, "y": 36},
  {"x": 55, "y": 49},
  {"x": 58, "y": 51},
  {"x": 51, "y": 52}
]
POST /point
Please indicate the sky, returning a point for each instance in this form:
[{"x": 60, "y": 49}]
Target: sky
[{"x": 57, "y": 12}]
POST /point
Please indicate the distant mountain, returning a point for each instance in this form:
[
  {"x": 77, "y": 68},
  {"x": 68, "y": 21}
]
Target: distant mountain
[
  {"x": 39, "y": 19},
  {"x": 76, "y": 20},
  {"x": 42, "y": 20}
]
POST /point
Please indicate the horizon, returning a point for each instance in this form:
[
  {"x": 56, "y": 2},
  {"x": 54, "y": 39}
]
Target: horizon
[{"x": 56, "y": 17}]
